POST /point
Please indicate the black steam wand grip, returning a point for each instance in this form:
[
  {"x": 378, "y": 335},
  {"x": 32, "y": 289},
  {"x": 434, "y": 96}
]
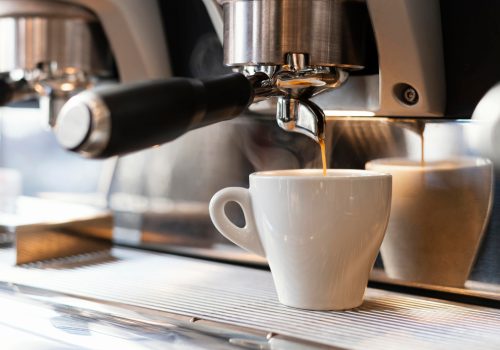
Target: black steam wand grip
[{"x": 125, "y": 118}]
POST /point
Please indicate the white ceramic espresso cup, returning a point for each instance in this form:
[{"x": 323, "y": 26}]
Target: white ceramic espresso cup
[
  {"x": 320, "y": 235},
  {"x": 438, "y": 217}
]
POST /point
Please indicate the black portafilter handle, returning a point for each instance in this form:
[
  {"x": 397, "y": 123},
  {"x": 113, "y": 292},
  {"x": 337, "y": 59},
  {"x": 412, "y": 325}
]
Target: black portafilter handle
[{"x": 120, "y": 119}]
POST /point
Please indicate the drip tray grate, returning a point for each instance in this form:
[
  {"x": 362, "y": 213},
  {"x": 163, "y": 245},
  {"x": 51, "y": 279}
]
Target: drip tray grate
[{"x": 245, "y": 297}]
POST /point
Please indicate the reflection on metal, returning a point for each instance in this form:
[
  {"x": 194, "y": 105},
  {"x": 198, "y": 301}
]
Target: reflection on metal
[
  {"x": 237, "y": 297},
  {"x": 45, "y": 229},
  {"x": 43, "y": 245}
]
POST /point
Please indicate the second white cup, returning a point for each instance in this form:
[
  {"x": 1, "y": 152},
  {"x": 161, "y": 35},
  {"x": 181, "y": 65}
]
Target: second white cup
[{"x": 439, "y": 214}]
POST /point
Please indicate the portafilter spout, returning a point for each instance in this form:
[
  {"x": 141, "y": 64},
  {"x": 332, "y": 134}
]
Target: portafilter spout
[
  {"x": 301, "y": 116},
  {"x": 305, "y": 47},
  {"x": 298, "y": 81}
]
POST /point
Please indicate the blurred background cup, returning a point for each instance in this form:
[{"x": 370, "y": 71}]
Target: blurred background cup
[
  {"x": 10, "y": 189},
  {"x": 438, "y": 217}
]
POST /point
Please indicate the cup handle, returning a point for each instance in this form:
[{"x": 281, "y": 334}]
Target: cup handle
[{"x": 246, "y": 237}]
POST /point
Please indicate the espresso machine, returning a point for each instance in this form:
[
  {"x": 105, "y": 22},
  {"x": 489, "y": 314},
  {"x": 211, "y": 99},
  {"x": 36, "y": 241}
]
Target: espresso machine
[
  {"x": 193, "y": 96},
  {"x": 311, "y": 53}
]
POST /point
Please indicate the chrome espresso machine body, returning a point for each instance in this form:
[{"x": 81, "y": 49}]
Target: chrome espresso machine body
[
  {"x": 365, "y": 76},
  {"x": 292, "y": 51}
]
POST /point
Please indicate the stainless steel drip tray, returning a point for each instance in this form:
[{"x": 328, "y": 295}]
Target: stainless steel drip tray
[{"x": 245, "y": 297}]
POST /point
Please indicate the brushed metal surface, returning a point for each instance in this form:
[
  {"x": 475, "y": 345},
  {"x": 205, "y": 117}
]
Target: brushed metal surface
[
  {"x": 263, "y": 32},
  {"x": 62, "y": 321},
  {"x": 46, "y": 229},
  {"x": 25, "y": 42},
  {"x": 245, "y": 297}
]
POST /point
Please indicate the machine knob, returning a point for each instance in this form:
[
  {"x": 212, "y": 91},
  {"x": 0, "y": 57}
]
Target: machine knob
[{"x": 115, "y": 120}]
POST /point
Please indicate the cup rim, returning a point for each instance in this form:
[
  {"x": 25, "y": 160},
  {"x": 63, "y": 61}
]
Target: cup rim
[
  {"x": 317, "y": 174},
  {"x": 452, "y": 163}
]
